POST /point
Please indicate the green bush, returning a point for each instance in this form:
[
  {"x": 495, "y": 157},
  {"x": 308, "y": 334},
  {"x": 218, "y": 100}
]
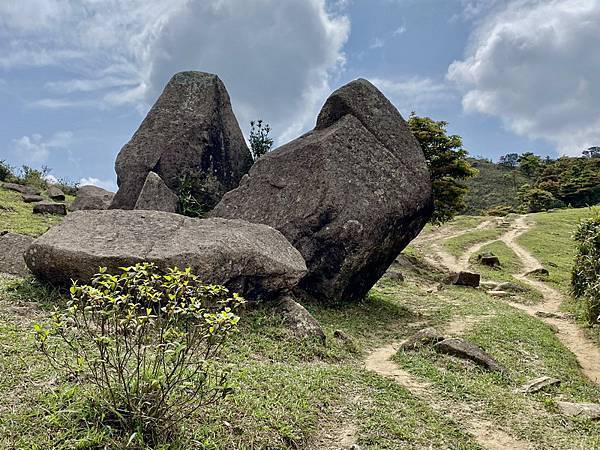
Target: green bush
[
  {"x": 585, "y": 278},
  {"x": 7, "y": 173},
  {"x": 500, "y": 211},
  {"x": 144, "y": 346},
  {"x": 260, "y": 142},
  {"x": 536, "y": 200},
  {"x": 34, "y": 177}
]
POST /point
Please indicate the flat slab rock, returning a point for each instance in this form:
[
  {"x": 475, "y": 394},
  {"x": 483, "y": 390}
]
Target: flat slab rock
[
  {"x": 28, "y": 198},
  {"x": 466, "y": 350},
  {"x": 252, "y": 259},
  {"x": 59, "y": 209},
  {"x": 539, "y": 384},
  {"x": 426, "y": 336},
  {"x": 12, "y": 249},
  {"x": 465, "y": 278},
  {"x": 587, "y": 410},
  {"x": 30, "y": 190}
]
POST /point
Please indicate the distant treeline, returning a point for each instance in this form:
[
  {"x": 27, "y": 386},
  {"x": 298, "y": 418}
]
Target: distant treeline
[{"x": 529, "y": 183}]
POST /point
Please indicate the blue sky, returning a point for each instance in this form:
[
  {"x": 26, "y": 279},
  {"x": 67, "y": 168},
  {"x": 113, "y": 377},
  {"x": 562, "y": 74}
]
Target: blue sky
[{"x": 78, "y": 76}]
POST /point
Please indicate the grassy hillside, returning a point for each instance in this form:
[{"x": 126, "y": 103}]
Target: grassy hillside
[
  {"x": 290, "y": 394},
  {"x": 494, "y": 185}
]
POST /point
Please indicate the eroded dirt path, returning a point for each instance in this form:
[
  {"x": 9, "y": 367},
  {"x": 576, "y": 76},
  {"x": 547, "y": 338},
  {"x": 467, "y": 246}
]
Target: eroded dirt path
[{"x": 487, "y": 434}]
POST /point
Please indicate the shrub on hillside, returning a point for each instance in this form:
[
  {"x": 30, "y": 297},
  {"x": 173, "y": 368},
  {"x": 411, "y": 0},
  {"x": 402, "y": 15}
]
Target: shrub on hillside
[
  {"x": 144, "y": 346},
  {"x": 585, "y": 279},
  {"x": 500, "y": 211},
  {"x": 535, "y": 200},
  {"x": 7, "y": 173},
  {"x": 260, "y": 142}
]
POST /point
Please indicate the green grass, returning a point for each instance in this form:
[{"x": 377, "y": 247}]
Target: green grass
[
  {"x": 458, "y": 245},
  {"x": 17, "y": 216}
]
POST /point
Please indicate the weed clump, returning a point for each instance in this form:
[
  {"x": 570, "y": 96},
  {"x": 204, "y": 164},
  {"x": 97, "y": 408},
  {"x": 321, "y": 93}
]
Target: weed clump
[
  {"x": 585, "y": 277},
  {"x": 144, "y": 346}
]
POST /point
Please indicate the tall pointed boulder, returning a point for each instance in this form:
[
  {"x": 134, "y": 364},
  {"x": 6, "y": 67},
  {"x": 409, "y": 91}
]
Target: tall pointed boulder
[{"x": 191, "y": 132}]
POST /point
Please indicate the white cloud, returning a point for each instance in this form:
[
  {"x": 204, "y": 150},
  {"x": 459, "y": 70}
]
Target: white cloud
[
  {"x": 276, "y": 57},
  {"x": 109, "y": 185},
  {"x": 377, "y": 43},
  {"x": 35, "y": 149},
  {"x": 535, "y": 65},
  {"x": 399, "y": 31},
  {"x": 415, "y": 94}
]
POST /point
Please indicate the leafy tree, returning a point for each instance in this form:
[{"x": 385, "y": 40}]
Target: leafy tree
[
  {"x": 509, "y": 160},
  {"x": 592, "y": 152},
  {"x": 6, "y": 171},
  {"x": 529, "y": 164},
  {"x": 447, "y": 164},
  {"x": 260, "y": 142},
  {"x": 535, "y": 200}
]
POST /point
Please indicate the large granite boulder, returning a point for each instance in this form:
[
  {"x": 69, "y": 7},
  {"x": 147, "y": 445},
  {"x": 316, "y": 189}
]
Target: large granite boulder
[
  {"x": 157, "y": 196},
  {"x": 12, "y": 248},
  {"x": 190, "y": 131},
  {"x": 91, "y": 197},
  {"x": 22, "y": 189},
  {"x": 56, "y": 194},
  {"x": 252, "y": 259},
  {"x": 349, "y": 195}
]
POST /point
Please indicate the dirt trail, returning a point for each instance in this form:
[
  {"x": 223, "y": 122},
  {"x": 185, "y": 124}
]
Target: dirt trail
[{"x": 488, "y": 435}]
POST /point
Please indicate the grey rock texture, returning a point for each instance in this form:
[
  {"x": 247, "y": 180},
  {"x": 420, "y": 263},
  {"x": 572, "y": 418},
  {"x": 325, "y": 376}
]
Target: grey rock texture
[
  {"x": 30, "y": 190},
  {"x": 464, "y": 278},
  {"x": 56, "y": 194},
  {"x": 426, "y": 336},
  {"x": 59, "y": 209},
  {"x": 299, "y": 320},
  {"x": 12, "y": 248},
  {"x": 91, "y": 197},
  {"x": 587, "y": 410},
  {"x": 466, "y": 350},
  {"x": 28, "y": 198},
  {"x": 191, "y": 129},
  {"x": 350, "y": 195},
  {"x": 252, "y": 259},
  {"x": 539, "y": 384},
  {"x": 488, "y": 259},
  {"x": 157, "y": 196}
]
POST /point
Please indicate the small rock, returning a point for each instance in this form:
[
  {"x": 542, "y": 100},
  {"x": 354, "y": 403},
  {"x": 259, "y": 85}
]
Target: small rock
[
  {"x": 91, "y": 198},
  {"x": 342, "y": 336},
  {"x": 29, "y": 198},
  {"x": 12, "y": 249},
  {"x": 426, "y": 336},
  {"x": 537, "y": 384},
  {"x": 488, "y": 259},
  {"x": 21, "y": 188},
  {"x": 59, "y": 209},
  {"x": 466, "y": 350},
  {"x": 464, "y": 278},
  {"x": 355, "y": 447},
  {"x": 548, "y": 315},
  {"x": 499, "y": 294},
  {"x": 156, "y": 196},
  {"x": 587, "y": 410},
  {"x": 490, "y": 285},
  {"x": 56, "y": 194},
  {"x": 541, "y": 271},
  {"x": 300, "y": 321}
]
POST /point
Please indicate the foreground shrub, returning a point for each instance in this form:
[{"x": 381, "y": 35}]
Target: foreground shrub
[
  {"x": 144, "y": 346},
  {"x": 585, "y": 278}
]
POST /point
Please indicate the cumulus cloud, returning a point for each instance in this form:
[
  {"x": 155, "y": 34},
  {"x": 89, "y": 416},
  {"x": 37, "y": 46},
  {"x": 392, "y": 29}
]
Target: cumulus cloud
[
  {"x": 276, "y": 57},
  {"x": 535, "y": 65},
  {"x": 109, "y": 185},
  {"x": 35, "y": 149},
  {"x": 415, "y": 94}
]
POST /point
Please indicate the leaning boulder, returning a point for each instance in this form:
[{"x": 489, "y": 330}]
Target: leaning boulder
[
  {"x": 59, "y": 209},
  {"x": 12, "y": 248},
  {"x": 56, "y": 194},
  {"x": 190, "y": 131},
  {"x": 157, "y": 196},
  {"x": 349, "y": 195},
  {"x": 252, "y": 259},
  {"x": 91, "y": 197}
]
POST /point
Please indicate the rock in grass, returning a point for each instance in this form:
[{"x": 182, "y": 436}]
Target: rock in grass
[
  {"x": 12, "y": 249},
  {"x": 59, "y": 209},
  {"x": 539, "y": 272},
  {"x": 510, "y": 287},
  {"x": 191, "y": 130},
  {"x": 349, "y": 195},
  {"x": 394, "y": 276},
  {"x": 549, "y": 315},
  {"x": 28, "y": 198},
  {"x": 56, "y": 194},
  {"x": 464, "y": 278},
  {"x": 22, "y": 188},
  {"x": 538, "y": 384},
  {"x": 466, "y": 350},
  {"x": 490, "y": 285},
  {"x": 90, "y": 198},
  {"x": 424, "y": 337},
  {"x": 586, "y": 410},
  {"x": 255, "y": 260},
  {"x": 499, "y": 294},
  {"x": 157, "y": 196},
  {"x": 299, "y": 320},
  {"x": 488, "y": 259}
]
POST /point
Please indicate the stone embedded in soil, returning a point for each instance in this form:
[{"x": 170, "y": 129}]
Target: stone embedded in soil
[
  {"x": 21, "y": 188},
  {"x": 59, "y": 209},
  {"x": 586, "y": 410},
  {"x": 466, "y": 350},
  {"x": 28, "y": 198},
  {"x": 464, "y": 278},
  {"x": 499, "y": 294},
  {"x": 12, "y": 248},
  {"x": 489, "y": 259},
  {"x": 541, "y": 271},
  {"x": 538, "y": 384},
  {"x": 491, "y": 285},
  {"x": 56, "y": 194},
  {"x": 299, "y": 320},
  {"x": 424, "y": 337}
]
